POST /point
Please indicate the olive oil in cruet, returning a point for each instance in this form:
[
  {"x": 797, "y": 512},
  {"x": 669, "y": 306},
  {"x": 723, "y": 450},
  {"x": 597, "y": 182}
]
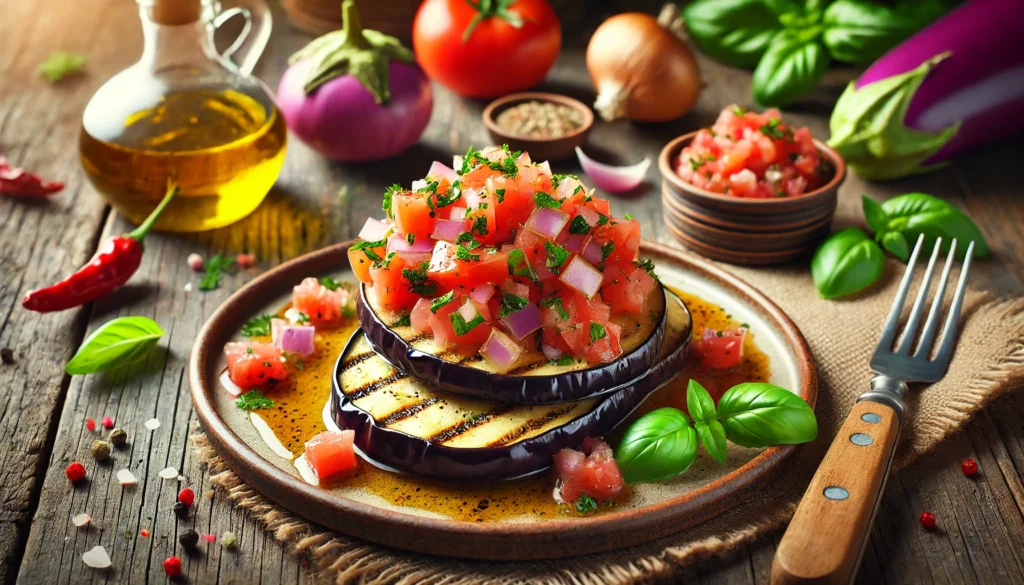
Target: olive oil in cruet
[{"x": 188, "y": 114}]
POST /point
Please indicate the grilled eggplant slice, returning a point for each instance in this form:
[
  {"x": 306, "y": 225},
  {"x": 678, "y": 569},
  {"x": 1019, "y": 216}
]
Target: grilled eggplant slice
[
  {"x": 535, "y": 380},
  {"x": 412, "y": 427}
]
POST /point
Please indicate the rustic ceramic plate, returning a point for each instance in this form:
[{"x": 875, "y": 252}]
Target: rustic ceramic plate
[{"x": 652, "y": 510}]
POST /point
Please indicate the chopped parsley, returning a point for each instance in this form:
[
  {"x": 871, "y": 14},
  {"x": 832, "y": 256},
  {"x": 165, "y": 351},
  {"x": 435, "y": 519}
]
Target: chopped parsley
[
  {"x": 467, "y": 240},
  {"x": 441, "y": 301},
  {"x": 501, "y": 194},
  {"x": 597, "y": 332},
  {"x": 506, "y": 165},
  {"x": 772, "y": 129},
  {"x": 303, "y": 319},
  {"x": 603, "y": 219},
  {"x": 557, "y": 256},
  {"x": 214, "y": 269},
  {"x": 367, "y": 248},
  {"x": 480, "y": 225},
  {"x": 511, "y": 303},
  {"x": 330, "y": 283},
  {"x": 738, "y": 111},
  {"x": 555, "y": 302},
  {"x": 607, "y": 249},
  {"x": 403, "y": 321},
  {"x": 695, "y": 163},
  {"x": 628, "y": 216},
  {"x": 461, "y": 326},
  {"x": 564, "y": 360},
  {"x": 454, "y": 194},
  {"x": 585, "y": 504},
  {"x": 430, "y": 187},
  {"x": 389, "y": 195},
  {"x": 518, "y": 264},
  {"x": 579, "y": 226},
  {"x": 419, "y": 283},
  {"x": 257, "y": 326},
  {"x": 253, "y": 400},
  {"x": 410, "y": 238},
  {"x": 647, "y": 265},
  {"x": 463, "y": 253},
  {"x": 556, "y": 179},
  {"x": 543, "y": 199},
  {"x": 386, "y": 262}
]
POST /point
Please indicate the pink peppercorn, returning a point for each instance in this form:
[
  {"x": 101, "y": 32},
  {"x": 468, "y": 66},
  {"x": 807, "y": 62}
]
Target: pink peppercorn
[
  {"x": 245, "y": 260},
  {"x": 195, "y": 262},
  {"x": 90, "y": 424},
  {"x": 108, "y": 423}
]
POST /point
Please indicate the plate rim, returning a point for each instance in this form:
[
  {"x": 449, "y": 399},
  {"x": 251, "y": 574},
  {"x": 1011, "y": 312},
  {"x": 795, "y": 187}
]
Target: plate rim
[{"x": 479, "y": 540}]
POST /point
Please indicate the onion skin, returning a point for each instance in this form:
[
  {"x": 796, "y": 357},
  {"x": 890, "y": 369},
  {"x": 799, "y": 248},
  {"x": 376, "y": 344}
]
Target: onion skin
[
  {"x": 342, "y": 121},
  {"x": 641, "y": 70}
]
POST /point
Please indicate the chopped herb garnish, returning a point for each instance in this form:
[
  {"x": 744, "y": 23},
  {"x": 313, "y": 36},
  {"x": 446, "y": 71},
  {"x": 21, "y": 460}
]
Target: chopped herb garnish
[
  {"x": 454, "y": 194},
  {"x": 607, "y": 249},
  {"x": 555, "y": 302},
  {"x": 442, "y": 301},
  {"x": 330, "y": 282},
  {"x": 628, "y": 216},
  {"x": 543, "y": 199},
  {"x": 480, "y": 225},
  {"x": 597, "y": 332},
  {"x": 511, "y": 303},
  {"x": 501, "y": 194},
  {"x": 585, "y": 504},
  {"x": 403, "y": 321},
  {"x": 507, "y": 165},
  {"x": 519, "y": 266},
  {"x": 557, "y": 256},
  {"x": 557, "y": 178},
  {"x": 647, "y": 265},
  {"x": 461, "y": 326},
  {"x": 564, "y": 360},
  {"x": 467, "y": 240},
  {"x": 695, "y": 163},
  {"x": 253, "y": 400},
  {"x": 738, "y": 111},
  {"x": 302, "y": 319},
  {"x": 772, "y": 130},
  {"x": 463, "y": 253},
  {"x": 578, "y": 189},
  {"x": 214, "y": 269},
  {"x": 257, "y": 326},
  {"x": 430, "y": 187},
  {"x": 744, "y": 326},
  {"x": 389, "y": 195},
  {"x": 410, "y": 238},
  {"x": 386, "y": 262},
  {"x": 367, "y": 248},
  {"x": 418, "y": 281},
  {"x": 579, "y": 226},
  {"x": 603, "y": 219}
]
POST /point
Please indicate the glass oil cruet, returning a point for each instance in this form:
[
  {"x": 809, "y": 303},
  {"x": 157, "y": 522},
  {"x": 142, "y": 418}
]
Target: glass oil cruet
[{"x": 187, "y": 114}]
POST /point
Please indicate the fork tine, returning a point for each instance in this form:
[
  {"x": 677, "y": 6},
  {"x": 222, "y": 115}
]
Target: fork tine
[
  {"x": 910, "y": 331},
  {"x": 950, "y": 329},
  {"x": 932, "y": 324},
  {"x": 893, "y": 320}
]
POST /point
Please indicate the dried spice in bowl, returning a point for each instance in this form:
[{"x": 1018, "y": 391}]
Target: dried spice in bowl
[{"x": 535, "y": 119}]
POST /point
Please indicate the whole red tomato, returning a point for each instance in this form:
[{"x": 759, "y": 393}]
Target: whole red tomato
[{"x": 486, "y": 48}]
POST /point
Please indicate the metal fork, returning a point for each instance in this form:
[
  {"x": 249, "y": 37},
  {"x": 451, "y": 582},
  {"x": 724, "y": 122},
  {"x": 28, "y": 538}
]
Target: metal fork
[{"x": 827, "y": 536}]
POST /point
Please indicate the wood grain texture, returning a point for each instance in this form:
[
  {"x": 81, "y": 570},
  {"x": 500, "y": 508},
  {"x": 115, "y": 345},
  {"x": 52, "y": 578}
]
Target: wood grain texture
[
  {"x": 830, "y": 528},
  {"x": 980, "y": 532}
]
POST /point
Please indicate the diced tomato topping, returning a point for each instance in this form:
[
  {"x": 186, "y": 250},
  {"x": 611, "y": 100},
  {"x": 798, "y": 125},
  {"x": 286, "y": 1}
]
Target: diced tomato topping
[
  {"x": 592, "y": 472},
  {"x": 252, "y": 364},
  {"x": 361, "y": 260},
  {"x": 722, "y": 350},
  {"x": 331, "y": 454},
  {"x": 413, "y": 214},
  {"x": 420, "y": 315},
  {"x": 323, "y": 306}
]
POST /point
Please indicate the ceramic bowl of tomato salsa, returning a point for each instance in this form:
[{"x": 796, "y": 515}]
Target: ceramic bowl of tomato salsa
[{"x": 751, "y": 189}]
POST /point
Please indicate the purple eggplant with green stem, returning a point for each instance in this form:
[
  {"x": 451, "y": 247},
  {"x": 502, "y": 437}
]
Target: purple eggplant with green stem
[{"x": 956, "y": 85}]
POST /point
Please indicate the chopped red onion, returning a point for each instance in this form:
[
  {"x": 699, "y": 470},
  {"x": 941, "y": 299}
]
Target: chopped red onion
[
  {"x": 439, "y": 258},
  {"x": 482, "y": 293},
  {"x": 592, "y": 251},
  {"x": 520, "y": 290},
  {"x": 524, "y": 321},
  {"x": 589, "y": 215},
  {"x": 398, "y": 243},
  {"x": 582, "y": 277},
  {"x": 566, "y": 187},
  {"x": 226, "y": 383},
  {"x": 459, "y": 214},
  {"x": 501, "y": 351},
  {"x": 613, "y": 179},
  {"x": 550, "y": 352},
  {"x": 374, "y": 230},
  {"x": 524, "y": 160},
  {"x": 295, "y": 338},
  {"x": 457, "y": 161},
  {"x": 468, "y": 311},
  {"x": 439, "y": 170},
  {"x": 547, "y": 221},
  {"x": 544, "y": 168},
  {"x": 574, "y": 243},
  {"x": 275, "y": 328},
  {"x": 448, "y": 229}
]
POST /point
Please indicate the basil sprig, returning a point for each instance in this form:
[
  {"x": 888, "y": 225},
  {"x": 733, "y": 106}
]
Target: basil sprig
[
  {"x": 791, "y": 42},
  {"x": 847, "y": 262},
  {"x": 122, "y": 342},
  {"x": 901, "y": 220},
  {"x": 662, "y": 444}
]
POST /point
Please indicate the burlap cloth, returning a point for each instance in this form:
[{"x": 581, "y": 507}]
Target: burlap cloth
[{"x": 989, "y": 361}]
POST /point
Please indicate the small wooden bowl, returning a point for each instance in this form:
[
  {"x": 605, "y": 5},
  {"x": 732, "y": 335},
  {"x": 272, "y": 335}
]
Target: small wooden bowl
[
  {"x": 745, "y": 230},
  {"x": 540, "y": 149}
]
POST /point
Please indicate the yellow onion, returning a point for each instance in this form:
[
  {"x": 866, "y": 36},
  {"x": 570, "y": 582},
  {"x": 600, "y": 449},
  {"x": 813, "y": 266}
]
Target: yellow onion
[{"x": 641, "y": 67}]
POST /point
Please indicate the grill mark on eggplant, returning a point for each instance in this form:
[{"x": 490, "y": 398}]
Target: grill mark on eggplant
[
  {"x": 455, "y": 430},
  {"x": 528, "y": 367},
  {"x": 408, "y": 411},
  {"x": 356, "y": 360},
  {"x": 378, "y": 383},
  {"x": 531, "y": 425}
]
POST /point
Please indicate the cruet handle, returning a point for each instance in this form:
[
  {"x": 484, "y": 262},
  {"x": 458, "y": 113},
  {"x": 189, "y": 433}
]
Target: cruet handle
[{"x": 255, "y": 33}]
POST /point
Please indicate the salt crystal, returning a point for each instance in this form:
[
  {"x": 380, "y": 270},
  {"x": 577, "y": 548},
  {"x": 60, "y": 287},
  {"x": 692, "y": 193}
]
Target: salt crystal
[
  {"x": 96, "y": 557},
  {"x": 126, "y": 477},
  {"x": 153, "y": 424},
  {"x": 169, "y": 473},
  {"x": 81, "y": 520},
  {"x": 188, "y": 287}
]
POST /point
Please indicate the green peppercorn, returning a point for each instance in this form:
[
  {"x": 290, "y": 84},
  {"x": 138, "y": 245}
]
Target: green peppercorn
[
  {"x": 100, "y": 450},
  {"x": 118, "y": 437},
  {"x": 180, "y": 510},
  {"x": 189, "y": 539}
]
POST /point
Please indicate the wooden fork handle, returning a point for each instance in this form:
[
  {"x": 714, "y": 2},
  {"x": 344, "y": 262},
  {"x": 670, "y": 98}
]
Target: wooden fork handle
[{"x": 828, "y": 533}]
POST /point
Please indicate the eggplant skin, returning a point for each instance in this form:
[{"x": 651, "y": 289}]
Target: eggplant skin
[
  {"x": 461, "y": 379},
  {"x": 422, "y": 456}
]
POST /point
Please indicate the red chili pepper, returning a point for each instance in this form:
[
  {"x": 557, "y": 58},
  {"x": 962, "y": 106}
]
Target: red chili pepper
[
  {"x": 114, "y": 263},
  {"x": 15, "y": 182}
]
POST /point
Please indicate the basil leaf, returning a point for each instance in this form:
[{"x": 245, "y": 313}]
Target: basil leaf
[
  {"x": 712, "y": 436},
  {"x": 897, "y": 245},
  {"x": 699, "y": 402},
  {"x": 876, "y": 217},
  {"x": 121, "y": 343},
  {"x": 736, "y": 32},
  {"x": 860, "y": 32},
  {"x": 914, "y": 214},
  {"x": 848, "y": 261},
  {"x": 757, "y": 414},
  {"x": 659, "y": 445},
  {"x": 794, "y": 63}
]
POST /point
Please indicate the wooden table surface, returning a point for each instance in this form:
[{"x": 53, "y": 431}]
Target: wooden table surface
[{"x": 42, "y": 411}]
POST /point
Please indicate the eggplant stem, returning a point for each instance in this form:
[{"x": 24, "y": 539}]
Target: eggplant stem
[
  {"x": 612, "y": 100},
  {"x": 671, "y": 20}
]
